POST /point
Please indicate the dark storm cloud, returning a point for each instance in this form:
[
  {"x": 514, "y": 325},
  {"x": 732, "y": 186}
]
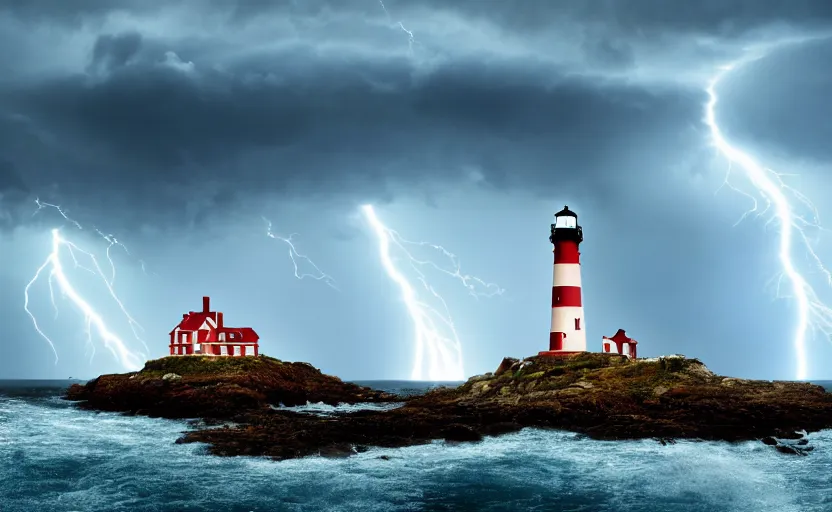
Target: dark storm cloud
[
  {"x": 321, "y": 122},
  {"x": 10, "y": 180},
  {"x": 13, "y": 192},
  {"x": 72, "y": 12},
  {"x": 150, "y": 114},
  {"x": 712, "y": 16},
  {"x": 608, "y": 51},
  {"x": 705, "y": 16},
  {"x": 112, "y": 51},
  {"x": 784, "y": 114}
]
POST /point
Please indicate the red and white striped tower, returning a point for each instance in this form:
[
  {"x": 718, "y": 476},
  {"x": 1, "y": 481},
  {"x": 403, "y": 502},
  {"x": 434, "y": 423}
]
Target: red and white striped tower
[{"x": 568, "y": 335}]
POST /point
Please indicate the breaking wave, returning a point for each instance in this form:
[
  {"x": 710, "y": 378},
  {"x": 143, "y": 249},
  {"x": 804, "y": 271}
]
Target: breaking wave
[
  {"x": 322, "y": 409},
  {"x": 55, "y": 457}
]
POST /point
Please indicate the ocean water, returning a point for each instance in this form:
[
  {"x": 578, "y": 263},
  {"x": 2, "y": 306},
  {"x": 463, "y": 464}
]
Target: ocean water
[{"x": 54, "y": 457}]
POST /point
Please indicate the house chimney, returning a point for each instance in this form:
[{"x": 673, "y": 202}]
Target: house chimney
[
  {"x": 206, "y": 304},
  {"x": 219, "y": 320}
]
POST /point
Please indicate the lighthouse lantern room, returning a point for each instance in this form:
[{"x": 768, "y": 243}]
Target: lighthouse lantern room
[{"x": 567, "y": 335}]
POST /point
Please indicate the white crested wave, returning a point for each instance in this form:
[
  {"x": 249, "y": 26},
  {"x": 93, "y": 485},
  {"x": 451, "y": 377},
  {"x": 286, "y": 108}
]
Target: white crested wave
[
  {"x": 54, "y": 457},
  {"x": 322, "y": 409}
]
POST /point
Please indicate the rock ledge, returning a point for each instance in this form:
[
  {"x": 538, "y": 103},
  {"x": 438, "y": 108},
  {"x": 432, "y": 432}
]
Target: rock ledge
[{"x": 603, "y": 396}]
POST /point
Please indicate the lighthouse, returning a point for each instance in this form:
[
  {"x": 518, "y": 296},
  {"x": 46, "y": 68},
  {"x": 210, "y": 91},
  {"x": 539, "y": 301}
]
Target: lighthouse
[{"x": 567, "y": 335}]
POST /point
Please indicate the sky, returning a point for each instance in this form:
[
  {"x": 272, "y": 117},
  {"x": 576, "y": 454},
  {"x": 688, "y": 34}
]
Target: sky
[{"x": 178, "y": 127}]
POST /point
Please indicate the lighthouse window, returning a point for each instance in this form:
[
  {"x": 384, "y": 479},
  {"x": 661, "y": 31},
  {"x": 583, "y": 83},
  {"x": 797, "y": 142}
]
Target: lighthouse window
[
  {"x": 577, "y": 324},
  {"x": 566, "y": 222}
]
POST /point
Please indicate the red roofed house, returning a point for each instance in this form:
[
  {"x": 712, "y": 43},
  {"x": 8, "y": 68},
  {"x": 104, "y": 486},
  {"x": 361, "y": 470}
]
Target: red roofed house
[
  {"x": 620, "y": 339},
  {"x": 203, "y": 333}
]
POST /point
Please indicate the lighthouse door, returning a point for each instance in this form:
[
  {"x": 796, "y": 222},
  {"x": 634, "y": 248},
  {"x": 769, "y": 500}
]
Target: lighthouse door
[{"x": 556, "y": 340}]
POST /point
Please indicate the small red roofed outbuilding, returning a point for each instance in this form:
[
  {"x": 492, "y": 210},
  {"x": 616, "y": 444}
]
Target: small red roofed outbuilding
[
  {"x": 204, "y": 333},
  {"x": 620, "y": 339}
]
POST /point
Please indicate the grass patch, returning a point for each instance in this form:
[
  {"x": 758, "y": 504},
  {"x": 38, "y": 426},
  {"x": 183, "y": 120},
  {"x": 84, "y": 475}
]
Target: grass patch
[{"x": 200, "y": 365}]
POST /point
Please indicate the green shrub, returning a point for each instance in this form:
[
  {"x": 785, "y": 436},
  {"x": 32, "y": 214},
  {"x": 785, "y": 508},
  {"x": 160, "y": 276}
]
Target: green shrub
[{"x": 673, "y": 364}]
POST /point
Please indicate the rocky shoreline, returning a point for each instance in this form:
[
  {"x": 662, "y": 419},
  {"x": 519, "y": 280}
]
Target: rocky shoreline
[{"x": 603, "y": 396}]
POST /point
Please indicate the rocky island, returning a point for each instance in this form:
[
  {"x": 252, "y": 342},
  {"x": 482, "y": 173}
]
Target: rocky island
[{"x": 240, "y": 404}]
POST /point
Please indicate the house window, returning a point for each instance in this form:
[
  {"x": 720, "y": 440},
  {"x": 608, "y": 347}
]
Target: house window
[
  {"x": 222, "y": 336},
  {"x": 577, "y": 324}
]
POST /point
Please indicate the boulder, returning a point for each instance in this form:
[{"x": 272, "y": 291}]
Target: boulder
[
  {"x": 460, "y": 433},
  {"x": 506, "y": 365}
]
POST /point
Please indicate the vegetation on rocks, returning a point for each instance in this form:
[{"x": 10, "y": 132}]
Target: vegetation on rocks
[{"x": 207, "y": 365}]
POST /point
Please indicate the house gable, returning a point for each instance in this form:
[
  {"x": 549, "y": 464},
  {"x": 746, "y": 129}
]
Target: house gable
[
  {"x": 208, "y": 325},
  {"x": 196, "y": 321}
]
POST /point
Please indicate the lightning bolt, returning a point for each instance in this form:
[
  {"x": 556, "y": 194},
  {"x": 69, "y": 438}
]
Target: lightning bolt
[
  {"x": 129, "y": 359},
  {"x": 434, "y": 329},
  {"x": 41, "y": 205},
  {"x": 112, "y": 241},
  {"x": 320, "y": 275},
  {"x": 411, "y": 40},
  {"x": 812, "y": 313}
]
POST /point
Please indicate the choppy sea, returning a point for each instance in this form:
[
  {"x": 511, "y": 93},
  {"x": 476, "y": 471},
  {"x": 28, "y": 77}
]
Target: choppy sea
[{"x": 54, "y": 457}]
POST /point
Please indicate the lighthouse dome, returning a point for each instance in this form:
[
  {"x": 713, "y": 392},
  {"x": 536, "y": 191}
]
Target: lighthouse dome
[{"x": 566, "y": 212}]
